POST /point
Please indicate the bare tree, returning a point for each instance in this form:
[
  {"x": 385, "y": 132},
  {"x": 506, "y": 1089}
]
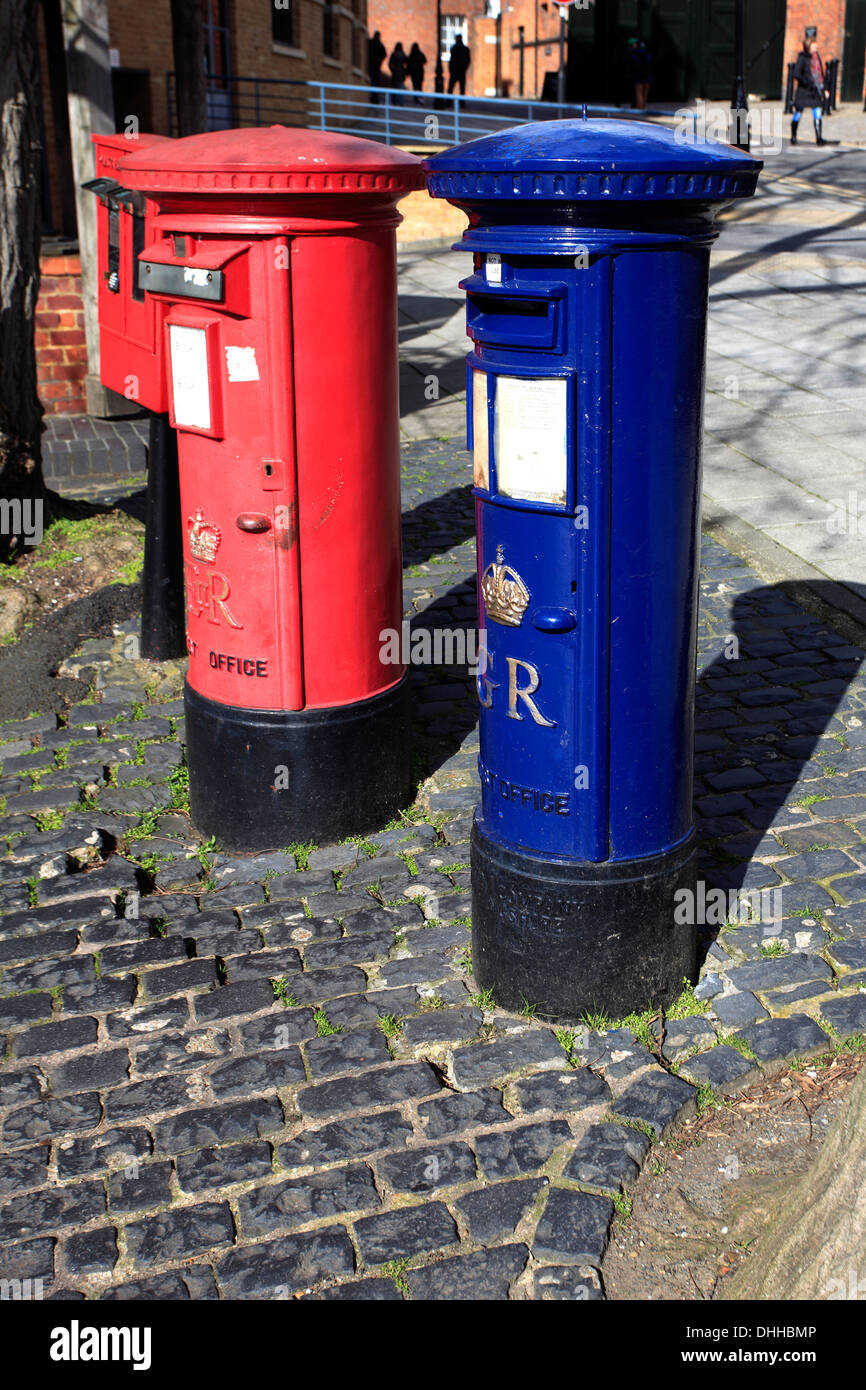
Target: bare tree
[{"x": 20, "y": 213}]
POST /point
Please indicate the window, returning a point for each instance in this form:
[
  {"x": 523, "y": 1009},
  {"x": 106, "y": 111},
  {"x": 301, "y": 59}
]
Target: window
[
  {"x": 452, "y": 25},
  {"x": 283, "y": 28},
  {"x": 330, "y": 31},
  {"x": 217, "y": 38}
]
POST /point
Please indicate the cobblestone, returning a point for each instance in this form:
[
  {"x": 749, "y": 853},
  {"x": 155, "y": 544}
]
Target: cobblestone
[
  {"x": 573, "y": 1228},
  {"x": 608, "y": 1156}
]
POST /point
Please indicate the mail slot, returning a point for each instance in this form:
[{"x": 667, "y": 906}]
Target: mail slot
[
  {"x": 272, "y": 263},
  {"x": 509, "y": 318}
]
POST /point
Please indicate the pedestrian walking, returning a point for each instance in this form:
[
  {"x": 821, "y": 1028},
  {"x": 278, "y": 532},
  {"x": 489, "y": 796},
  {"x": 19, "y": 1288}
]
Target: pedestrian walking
[
  {"x": 376, "y": 54},
  {"x": 809, "y": 77},
  {"x": 641, "y": 60},
  {"x": 459, "y": 59},
  {"x": 415, "y": 65},
  {"x": 397, "y": 65}
]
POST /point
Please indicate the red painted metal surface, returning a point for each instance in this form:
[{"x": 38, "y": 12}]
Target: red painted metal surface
[
  {"x": 288, "y": 441},
  {"x": 130, "y": 328}
]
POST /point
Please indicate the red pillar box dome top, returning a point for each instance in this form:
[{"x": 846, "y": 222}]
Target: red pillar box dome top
[
  {"x": 275, "y": 249},
  {"x": 273, "y": 161}
]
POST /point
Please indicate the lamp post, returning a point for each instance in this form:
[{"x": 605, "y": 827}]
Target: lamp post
[
  {"x": 560, "y": 76},
  {"x": 521, "y": 43},
  {"x": 439, "y": 80},
  {"x": 739, "y": 100}
]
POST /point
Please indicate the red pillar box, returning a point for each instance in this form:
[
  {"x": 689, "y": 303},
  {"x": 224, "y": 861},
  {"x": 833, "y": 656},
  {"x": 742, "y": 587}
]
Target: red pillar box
[{"x": 274, "y": 252}]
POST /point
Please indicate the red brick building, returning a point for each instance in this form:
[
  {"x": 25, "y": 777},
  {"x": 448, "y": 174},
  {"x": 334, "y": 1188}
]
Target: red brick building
[
  {"x": 493, "y": 42},
  {"x": 515, "y": 43}
]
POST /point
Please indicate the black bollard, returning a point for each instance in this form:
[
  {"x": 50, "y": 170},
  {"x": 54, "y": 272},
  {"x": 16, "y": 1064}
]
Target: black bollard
[{"x": 162, "y": 616}]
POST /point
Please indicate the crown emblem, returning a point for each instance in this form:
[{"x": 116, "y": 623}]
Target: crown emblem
[
  {"x": 204, "y": 537},
  {"x": 506, "y": 597}
]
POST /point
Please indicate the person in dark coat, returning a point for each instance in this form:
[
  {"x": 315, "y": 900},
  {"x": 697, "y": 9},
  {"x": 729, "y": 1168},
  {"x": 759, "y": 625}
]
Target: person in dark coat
[
  {"x": 415, "y": 64},
  {"x": 459, "y": 59},
  {"x": 641, "y": 61},
  {"x": 376, "y": 54},
  {"x": 809, "y": 76},
  {"x": 397, "y": 64}
]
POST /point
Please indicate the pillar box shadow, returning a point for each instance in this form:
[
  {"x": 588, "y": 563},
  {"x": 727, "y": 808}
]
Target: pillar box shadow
[
  {"x": 438, "y": 524},
  {"x": 770, "y": 745},
  {"x": 772, "y": 762}
]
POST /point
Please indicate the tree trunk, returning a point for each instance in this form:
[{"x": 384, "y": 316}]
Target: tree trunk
[
  {"x": 20, "y": 219},
  {"x": 815, "y": 1245},
  {"x": 91, "y": 112},
  {"x": 190, "y": 80}
]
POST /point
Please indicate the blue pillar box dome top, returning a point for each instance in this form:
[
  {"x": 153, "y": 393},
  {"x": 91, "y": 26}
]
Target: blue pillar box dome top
[{"x": 623, "y": 162}]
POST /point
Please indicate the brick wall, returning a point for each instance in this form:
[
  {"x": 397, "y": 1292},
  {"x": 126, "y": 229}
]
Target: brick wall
[
  {"x": 414, "y": 21},
  {"x": 256, "y": 54},
  {"x": 142, "y": 37},
  {"x": 427, "y": 219},
  {"x": 141, "y": 34},
  {"x": 61, "y": 352}
]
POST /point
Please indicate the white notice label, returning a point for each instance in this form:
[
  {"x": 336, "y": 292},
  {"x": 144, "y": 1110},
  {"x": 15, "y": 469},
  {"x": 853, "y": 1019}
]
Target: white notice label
[
  {"x": 189, "y": 377},
  {"x": 241, "y": 364},
  {"x": 480, "y": 433},
  {"x": 493, "y": 269},
  {"x": 529, "y": 438}
]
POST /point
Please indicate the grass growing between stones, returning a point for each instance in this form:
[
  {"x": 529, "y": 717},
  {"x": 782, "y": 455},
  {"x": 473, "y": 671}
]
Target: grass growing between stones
[
  {"x": 324, "y": 1027},
  {"x": 705, "y": 1098},
  {"x": 283, "y": 993},
  {"x": 774, "y": 948},
  {"x": 641, "y": 1027},
  {"x": 687, "y": 1005},
  {"x": 390, "y": 1025},
  {"x": 739, "y": 1044},
  {"x": 302, "y": 852},
  {"x": 395, "y": 1269},
  {"x": 597, "y": 1020},
  {"x": 483, "y": 999}
]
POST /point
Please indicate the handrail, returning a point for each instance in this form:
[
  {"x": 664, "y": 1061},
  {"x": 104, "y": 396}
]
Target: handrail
[{"x": 392, "y": 115}]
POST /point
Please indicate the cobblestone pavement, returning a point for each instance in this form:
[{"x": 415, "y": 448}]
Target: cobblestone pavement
[
  {"x": 274, "y": 1076},
  {"x": 86, "y": 457}
]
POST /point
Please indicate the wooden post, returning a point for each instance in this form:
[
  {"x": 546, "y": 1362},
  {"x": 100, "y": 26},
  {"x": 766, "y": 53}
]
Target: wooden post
[
  {"x": 20, "y": 157},
  {"x": 91, "y": 112},
  {"x": 190, "y": 68}
]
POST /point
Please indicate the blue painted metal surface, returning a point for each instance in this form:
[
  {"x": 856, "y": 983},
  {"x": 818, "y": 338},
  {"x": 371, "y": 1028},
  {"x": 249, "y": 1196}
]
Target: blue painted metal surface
[{"x": 591, "y": 244}]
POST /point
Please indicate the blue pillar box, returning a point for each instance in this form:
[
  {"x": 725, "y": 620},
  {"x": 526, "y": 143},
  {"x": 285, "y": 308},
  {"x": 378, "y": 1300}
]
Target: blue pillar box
[{"x": 586, "y": 308}]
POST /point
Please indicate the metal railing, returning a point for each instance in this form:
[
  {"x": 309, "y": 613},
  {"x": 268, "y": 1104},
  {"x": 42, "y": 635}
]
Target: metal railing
[{"x": 395, "y": 116}]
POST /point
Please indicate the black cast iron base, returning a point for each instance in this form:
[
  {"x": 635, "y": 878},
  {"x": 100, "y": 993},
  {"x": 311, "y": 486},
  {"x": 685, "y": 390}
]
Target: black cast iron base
[
  {"x": 576, "y": 938},
  {"x": 262, "y": 779}
]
